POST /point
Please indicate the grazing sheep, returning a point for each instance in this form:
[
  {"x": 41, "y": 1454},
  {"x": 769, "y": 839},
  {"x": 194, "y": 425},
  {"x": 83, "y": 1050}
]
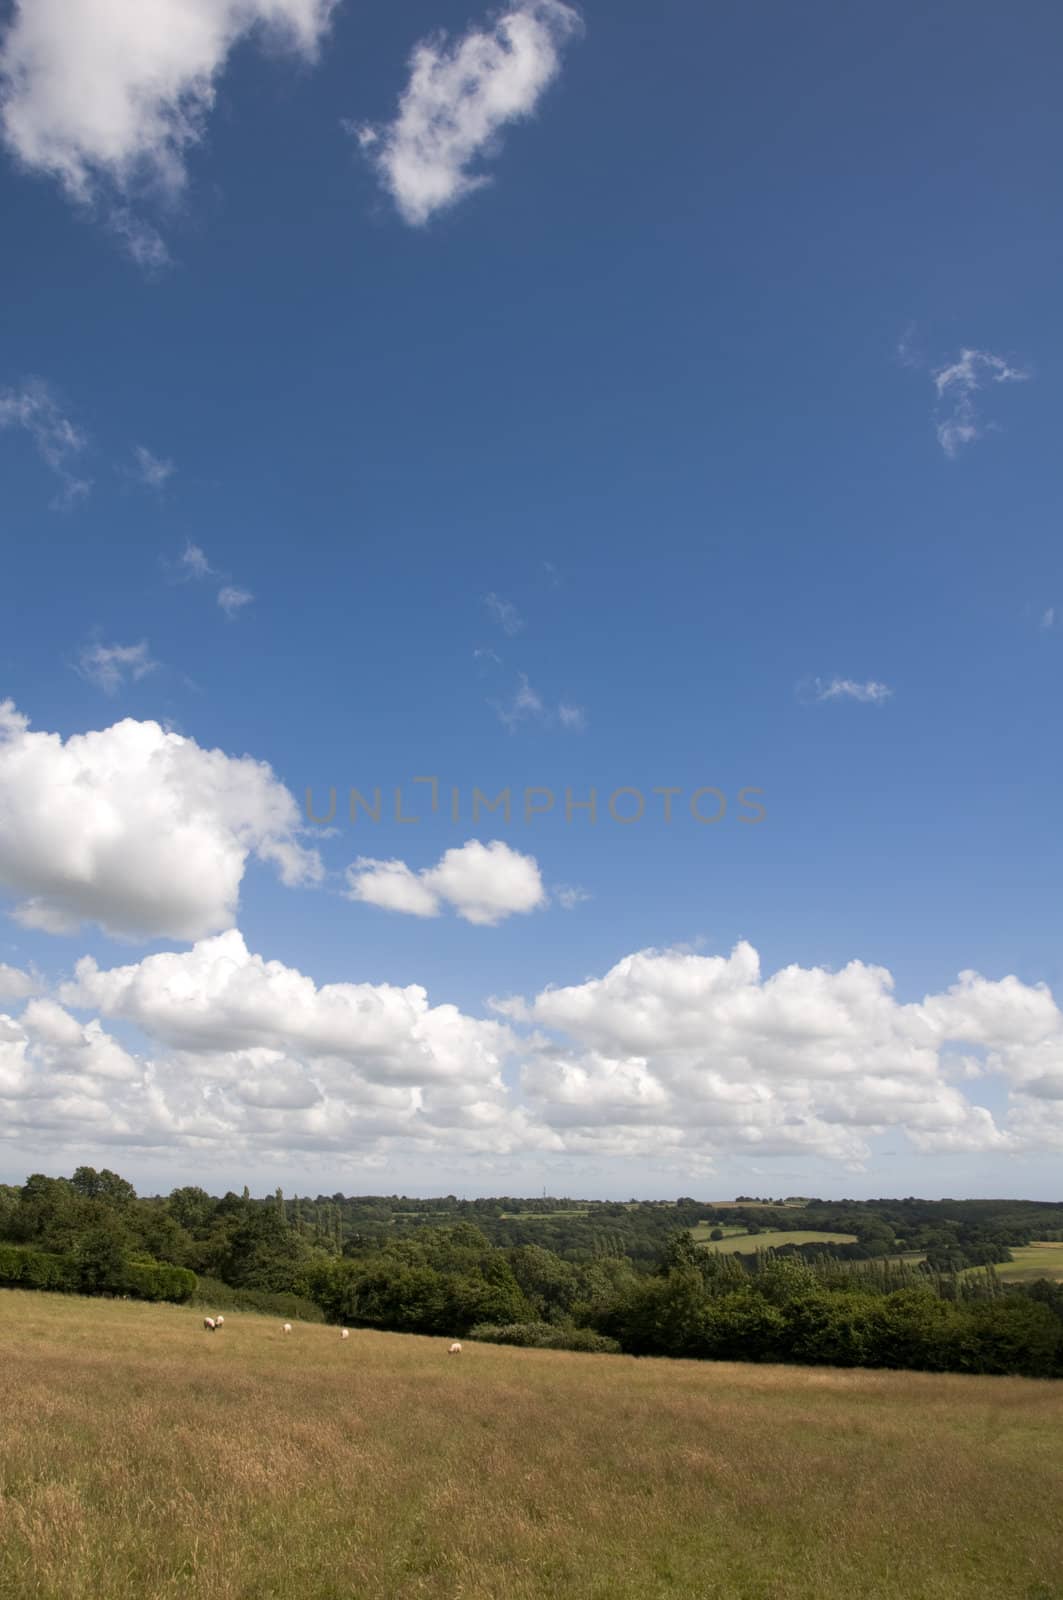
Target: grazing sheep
[
  {"x": 287, "y": 1327},
  {"x": 455, "y": 1349},
  {"x": 209, "y": 1324},
  {"x": 345, "y": 1333},
  {"x": 219, "y": 1322}
]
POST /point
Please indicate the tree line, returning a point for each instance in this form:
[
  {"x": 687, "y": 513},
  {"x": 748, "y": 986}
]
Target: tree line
[{"x": 915, "y": 1288}]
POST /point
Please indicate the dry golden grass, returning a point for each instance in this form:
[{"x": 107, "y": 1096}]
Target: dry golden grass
[{"x": 141, "y": 1457}]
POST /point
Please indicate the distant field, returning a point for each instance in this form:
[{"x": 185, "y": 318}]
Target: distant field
[
  {"x": 1033, "y": 1261},
  {"x": 143, "y": 1459},
  {"x": 702, "y": 1230},
  {"x": 748, "y": 1243}
]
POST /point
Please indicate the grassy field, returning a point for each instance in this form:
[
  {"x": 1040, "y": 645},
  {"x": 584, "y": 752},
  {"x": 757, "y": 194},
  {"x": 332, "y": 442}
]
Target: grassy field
[
  {"x": 701, "y": 1230},
  {"x": 748, "y": 1243},
  {"x": 1033, "y": 1261},
  {"x": 142, "y": 1458}
]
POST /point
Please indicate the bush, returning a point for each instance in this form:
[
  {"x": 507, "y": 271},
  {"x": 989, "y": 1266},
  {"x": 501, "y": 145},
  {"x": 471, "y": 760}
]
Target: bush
[
  {"x": 212, "y": 1294},
  {"x": 157, "y": 1280},
  {"x": 37, "y": 1269},
  {"x": 544, "y": 1336}
]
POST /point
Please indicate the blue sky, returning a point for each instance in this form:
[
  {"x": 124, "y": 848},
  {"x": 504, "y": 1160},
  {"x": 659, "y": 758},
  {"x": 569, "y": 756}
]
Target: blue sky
[{"x": 735, "y": 388}]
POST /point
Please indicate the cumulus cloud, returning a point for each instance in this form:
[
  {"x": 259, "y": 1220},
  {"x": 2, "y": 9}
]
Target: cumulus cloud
[
  {"x": 136, "y": 829},
  {"x": 869, "y": 693},
  {"x": 233, "y": 600},
  {"x": 59, "y": 442},
  {"x": 109, "y": 97},
  {"x": 109, "y": 665},
  {"x": 245, "y": 1052},
  {"x": 482, "y": 883},
  {"x": 15, "y": 984},
  {"x": 671, "y": 1050},
  {"x": 670, "y": 1055},
  {"x": 956, "y": 385},
  {"x": 459, "y": 98}
]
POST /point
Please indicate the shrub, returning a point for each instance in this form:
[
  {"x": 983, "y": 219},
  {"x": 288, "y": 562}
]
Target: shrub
[
  {"x": 157, "y": 1280},
  {"x": 212, "y": 1294},
  {"x": 544, "y": 1336}
]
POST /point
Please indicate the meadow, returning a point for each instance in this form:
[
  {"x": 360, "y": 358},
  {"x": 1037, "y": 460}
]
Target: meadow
[
  {"x": 743, "y": 1243},
  {"x": 142, "y": 1458},
  {"x": 1031, "y": 1261}
]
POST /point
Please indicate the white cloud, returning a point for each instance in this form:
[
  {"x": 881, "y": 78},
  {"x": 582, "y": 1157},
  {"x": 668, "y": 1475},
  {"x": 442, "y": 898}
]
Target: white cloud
[
  {"x": 15, "y": 984},
  {"x": 109, "y": 95},
  {"x": 392, "y": 886},
  {"x": 194, "y": 563},
  {"x": 58, "y": 441},
  {"x": 526, "y": 703},
  {"x": 1048, "y": 618},
  {"x": 505, "y": 614},
  {"x": 869, "y": 693},
  {"x": 459, "y": 98},
  {"x": 137, "y": 829},
  {"x": 151, "y": 469},
  {"x": 958, "y": 383},
  {"x": 108, "y": 665},
  {"x": 570, "y": 895},
  {"x": 669, "y": 1056},
  {"x": 249, "y": 1053},
  {"x": 233, "y": 600},
  {"x": 686, "y": 1052},
  {"x": 482, "y": 883}
]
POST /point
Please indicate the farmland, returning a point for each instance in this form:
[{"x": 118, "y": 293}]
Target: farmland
[
  {"x": 142, "y": 1458},
  {"x": 739, "y": 1241},
  {"x": 1031, "y": 1261}
]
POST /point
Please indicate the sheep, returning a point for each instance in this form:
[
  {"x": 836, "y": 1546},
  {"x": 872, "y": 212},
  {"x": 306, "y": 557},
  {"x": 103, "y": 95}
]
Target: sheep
[
  {"x": 455, "y": 1349},
  {"x": 219, "y": 1322},
  {"x": 345, "y": 1333},
  {"x": 287, "y": 1327},
  {"x": 209, "y": 1324}
]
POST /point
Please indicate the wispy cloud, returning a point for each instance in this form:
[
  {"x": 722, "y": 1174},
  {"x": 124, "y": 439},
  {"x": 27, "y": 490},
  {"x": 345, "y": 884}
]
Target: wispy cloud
[
  {"x": 459, "y": 98},
  {"x": 956, "y": 385},
  {"x": 59, "y": 443},
  {"x": 570, "y": 895},
  {"x": 151, "y": 469},
  {"x": 233, "y": 600},
  {"x": 485, "y": 653},
  {"x": 574, "y": 718},
  {"x": 505, "y": 614},
  {"x": 527, "y": 705},
  {"x": 193, "y": 562},
  {"x": 869, "y": 693},
  {"x": 109, "y": 665},
  {"x": 1048, "y": 618}
]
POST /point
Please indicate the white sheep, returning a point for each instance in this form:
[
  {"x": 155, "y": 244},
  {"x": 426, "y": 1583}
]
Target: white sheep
[
  {"x": 287, "y": 1327},
  {"x": 455, "y": 1349},
  {"x": 219, "y": 1322},
  {"x": 209, "y": 1324},
  {"x": 345, "y": 1333}
]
